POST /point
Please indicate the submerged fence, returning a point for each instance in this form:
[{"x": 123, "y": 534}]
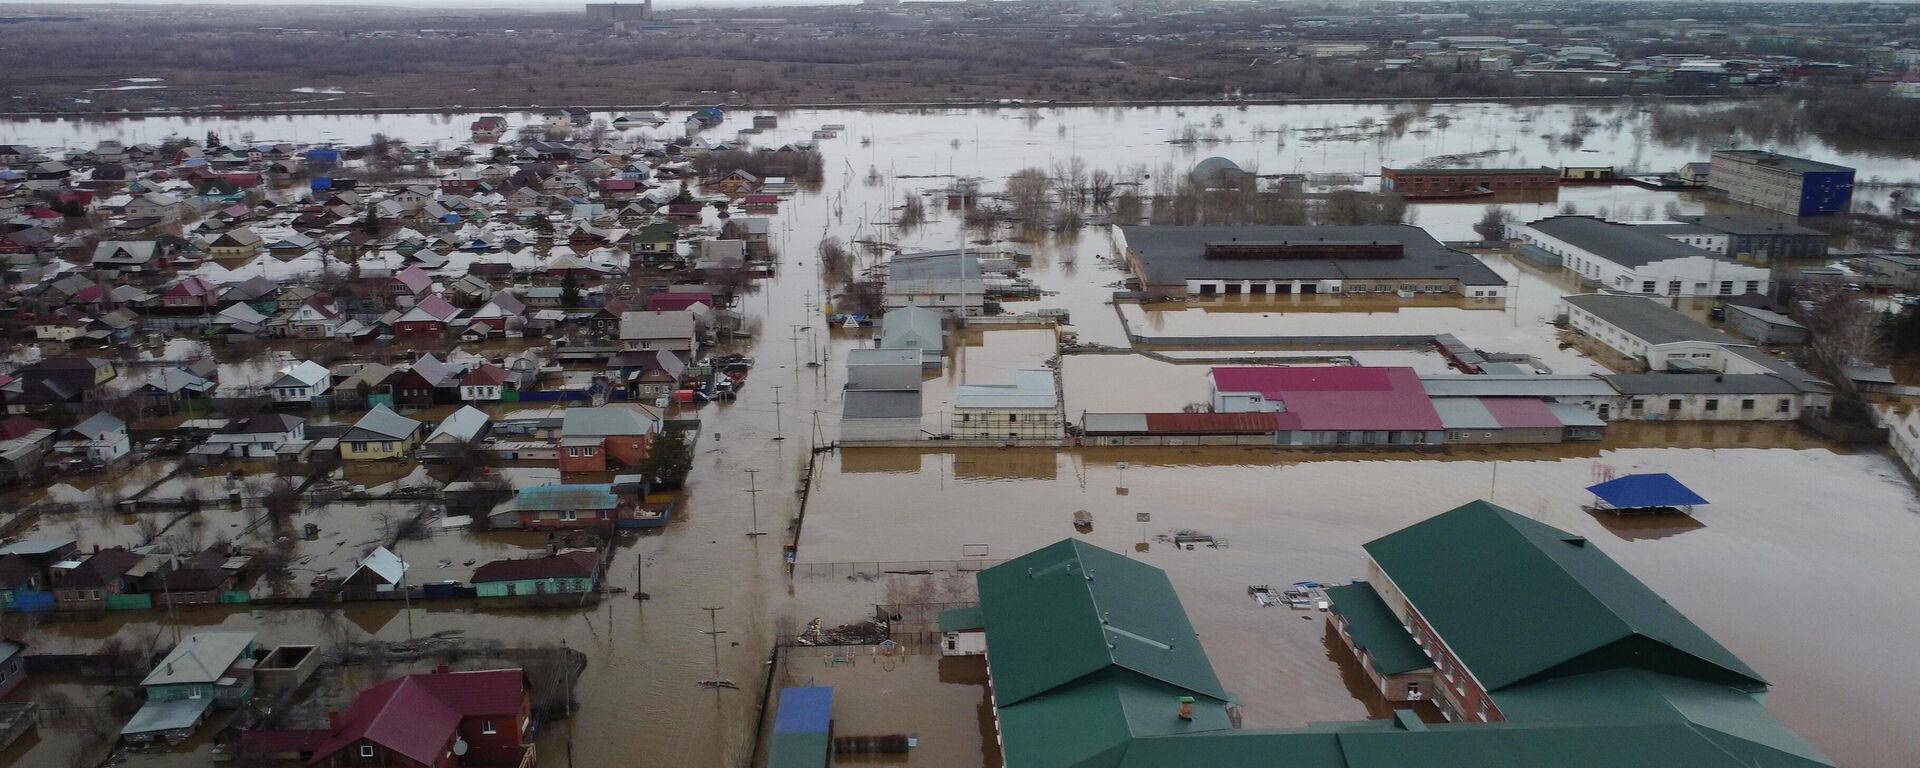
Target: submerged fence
[{"x": 871, "y": 570}]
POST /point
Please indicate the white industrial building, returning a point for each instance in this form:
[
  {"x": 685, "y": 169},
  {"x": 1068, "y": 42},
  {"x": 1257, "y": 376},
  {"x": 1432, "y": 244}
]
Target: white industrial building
[{"x": 1630, "y": 259}]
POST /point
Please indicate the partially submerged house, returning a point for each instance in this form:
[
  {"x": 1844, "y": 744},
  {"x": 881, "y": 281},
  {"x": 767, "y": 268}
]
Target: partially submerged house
[{"x": 380, "y": 434}]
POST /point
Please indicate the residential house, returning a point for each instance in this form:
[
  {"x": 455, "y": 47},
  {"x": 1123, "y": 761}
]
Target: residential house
[
  {"x": 13, "y": 666},
  {"x": 429, "y": 318},
  {"x": 237, "y": 319},
  {"x": 500, "y": 312},
  {"x": 571, "y": 505},
  {"x": 379, "y": 575},
  {"x": 205, "y": 670},
  {"x": 71, "y": 383},
  {"x": 426, "y": 383},
  {"x": 101, "y": 438},
  {"x": 409, "y": 283},
  {"x": 456, "y": 434},
  {"x": 566, "y": 573},
  {"x": 260, "y": 292},
  {"x": 655, "y": 243},
  {"x": 128, "y": 256},
  {"x": 301, "y": 383},
  {"x": 916, "y": 328},
  {"x": 442, "y": 719},
  {"x": 675, "y": 331},
  {"x": 175, "y": 387},
  {"x": 241, "y": 243},
  {"x": 24, "y": 443},
  {"x": 319, "y": 318},
  {"x": 381, "y": 434},
  {"x": 157, "y": 205},
  {"x": 649, "y": 374},
  {"x": 487, "y": 383},
  {"x": 603, "y": 438},
  {"x": 1026, "y": 409},
  {"x": 87, "y": 586},
  {"x": 190, "y": 293},
  {"x": 738, "y": 182},
  {"x": 259, "y": 436},
  {"x": 28, "y": 568}
]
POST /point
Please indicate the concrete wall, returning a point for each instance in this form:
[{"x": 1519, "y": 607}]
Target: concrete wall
[
  {"x": 1711, "y": 408},
  {"x": 1014, "y": 423},
  {"x": 861, "y": 430}
]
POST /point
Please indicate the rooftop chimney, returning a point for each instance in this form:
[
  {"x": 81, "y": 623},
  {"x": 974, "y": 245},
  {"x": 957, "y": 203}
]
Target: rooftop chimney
[{"x": 1186, "y": 708}]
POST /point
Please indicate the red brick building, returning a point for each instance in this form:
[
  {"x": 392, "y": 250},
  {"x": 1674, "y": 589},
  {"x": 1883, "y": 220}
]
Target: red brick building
[
  {"x": 603, "y": 439},
  {"x": 1465, "y": 182}
]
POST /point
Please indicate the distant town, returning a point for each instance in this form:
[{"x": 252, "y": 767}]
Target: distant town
[{"x": 1286, "y": 393}]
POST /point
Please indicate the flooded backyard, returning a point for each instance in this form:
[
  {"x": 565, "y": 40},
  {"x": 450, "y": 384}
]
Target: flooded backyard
[{"x": 1790, "y": 520}]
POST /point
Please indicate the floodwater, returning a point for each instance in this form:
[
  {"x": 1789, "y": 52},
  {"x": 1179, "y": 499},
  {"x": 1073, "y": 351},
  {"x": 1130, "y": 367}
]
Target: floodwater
[
  {"x": 1758, "y": 570},
  {"x": 1788, "y": 522}
]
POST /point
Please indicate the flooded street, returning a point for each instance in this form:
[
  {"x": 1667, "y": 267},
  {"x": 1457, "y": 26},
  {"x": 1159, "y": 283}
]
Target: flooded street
[{"x": 1790, "y": 521}]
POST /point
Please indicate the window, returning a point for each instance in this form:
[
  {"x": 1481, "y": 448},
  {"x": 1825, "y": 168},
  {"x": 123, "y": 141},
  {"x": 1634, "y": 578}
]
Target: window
[
  {"x": 1753, "y": 286},
  {"x": 1785, "y": 406},
  {"x": 1484, "y": 710},
  {"x": 366, "y": 751},
  {"x": 1673, "y": 404},
  {"x": 1013, "y": 417},
  {"x": 1747, "y": 404},
  {"x": 1646, "y": 286},
  {"x": 1673, "y": 287},
  {"x": 568, "y": 515},
  {"x": 359, "y": 447},
  {"x": 386, "y": 445},
  {"x": 964, "y": 418},
  {"x": 1726, "y": 287}
]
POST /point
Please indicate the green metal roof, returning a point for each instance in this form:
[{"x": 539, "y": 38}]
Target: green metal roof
[
  {"x": 1067, "y": 699},
  {"x": 1091, "y": 722},
  {"x": 961, "y": 619},
  {"x": 1519, "y": 600},
  {"x": 1376, "y": 630},
  {"x": 1070, "y": 609}
]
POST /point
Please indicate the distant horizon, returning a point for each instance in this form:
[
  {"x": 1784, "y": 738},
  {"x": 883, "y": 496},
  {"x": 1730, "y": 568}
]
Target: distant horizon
[{"x": 547, "y": 5}]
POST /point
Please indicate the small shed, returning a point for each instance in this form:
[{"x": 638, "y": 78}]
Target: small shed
[
  {"x": 963, "y": 632},
  {"x": 1765, "y": 326},
  {"x": 1649, "y": 492},
  {"x": 802, "y": 728}
]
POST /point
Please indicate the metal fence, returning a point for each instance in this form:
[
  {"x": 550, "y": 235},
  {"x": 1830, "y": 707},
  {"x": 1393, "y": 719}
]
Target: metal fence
[{"x": 869, "y": 571}]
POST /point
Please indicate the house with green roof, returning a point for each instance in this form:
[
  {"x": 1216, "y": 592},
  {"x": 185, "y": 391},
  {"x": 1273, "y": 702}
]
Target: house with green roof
[{"x": 1541, "y": 651}]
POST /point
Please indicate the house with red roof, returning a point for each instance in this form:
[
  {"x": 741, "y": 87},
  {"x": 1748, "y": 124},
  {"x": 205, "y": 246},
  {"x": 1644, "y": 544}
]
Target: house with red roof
[
  {"x": 191, "y": 293},
  {"x": 428, "y": 318},
  {"x": 440, "y": 719},
  {"x": 1332, "y": 405},
  {"x": 412, "y": 281},
  {"x": 676, "y": 301}
]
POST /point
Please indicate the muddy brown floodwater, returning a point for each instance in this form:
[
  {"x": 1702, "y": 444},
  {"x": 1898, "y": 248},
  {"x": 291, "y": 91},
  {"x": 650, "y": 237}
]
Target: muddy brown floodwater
[{"x": 1797, "y": 566}]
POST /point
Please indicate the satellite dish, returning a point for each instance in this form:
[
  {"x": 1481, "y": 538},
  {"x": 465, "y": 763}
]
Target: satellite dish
[{"x": 460, "y": 746}]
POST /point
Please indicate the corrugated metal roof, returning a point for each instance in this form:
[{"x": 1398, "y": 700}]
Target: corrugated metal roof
[
  {"x": 1114, "y": 423},
  {"x": 1211, "y": 423},
  {"x": 1521, "y": 412},
  {"x": 202, "y": 657},
  {"x": 564, "y": 496},
  {"x": 1523, "y": 385},
  {"x": 1515, "y": 599},
  {"x": 1464, "y": 413},
  {"x": 1320, "y": 398}
]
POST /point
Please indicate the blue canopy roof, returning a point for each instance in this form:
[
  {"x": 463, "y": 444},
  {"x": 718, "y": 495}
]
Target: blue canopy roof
[
  {"x": 1657, "y": 489},
  {"x": 804, "y": 710}
]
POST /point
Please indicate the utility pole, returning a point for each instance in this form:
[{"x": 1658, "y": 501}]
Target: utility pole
[
  {"x": 753, "y": 503},
  {"x": 714, "y": 631},
  {"x": 778, "y": 434}
]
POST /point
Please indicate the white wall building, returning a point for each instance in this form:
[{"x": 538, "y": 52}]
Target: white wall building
[{"x": 1622, "y": 257}]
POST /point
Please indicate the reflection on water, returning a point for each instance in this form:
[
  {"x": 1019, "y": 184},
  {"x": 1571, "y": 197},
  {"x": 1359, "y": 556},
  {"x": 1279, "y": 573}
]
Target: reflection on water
[{"x": 1645, "y": 526}]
